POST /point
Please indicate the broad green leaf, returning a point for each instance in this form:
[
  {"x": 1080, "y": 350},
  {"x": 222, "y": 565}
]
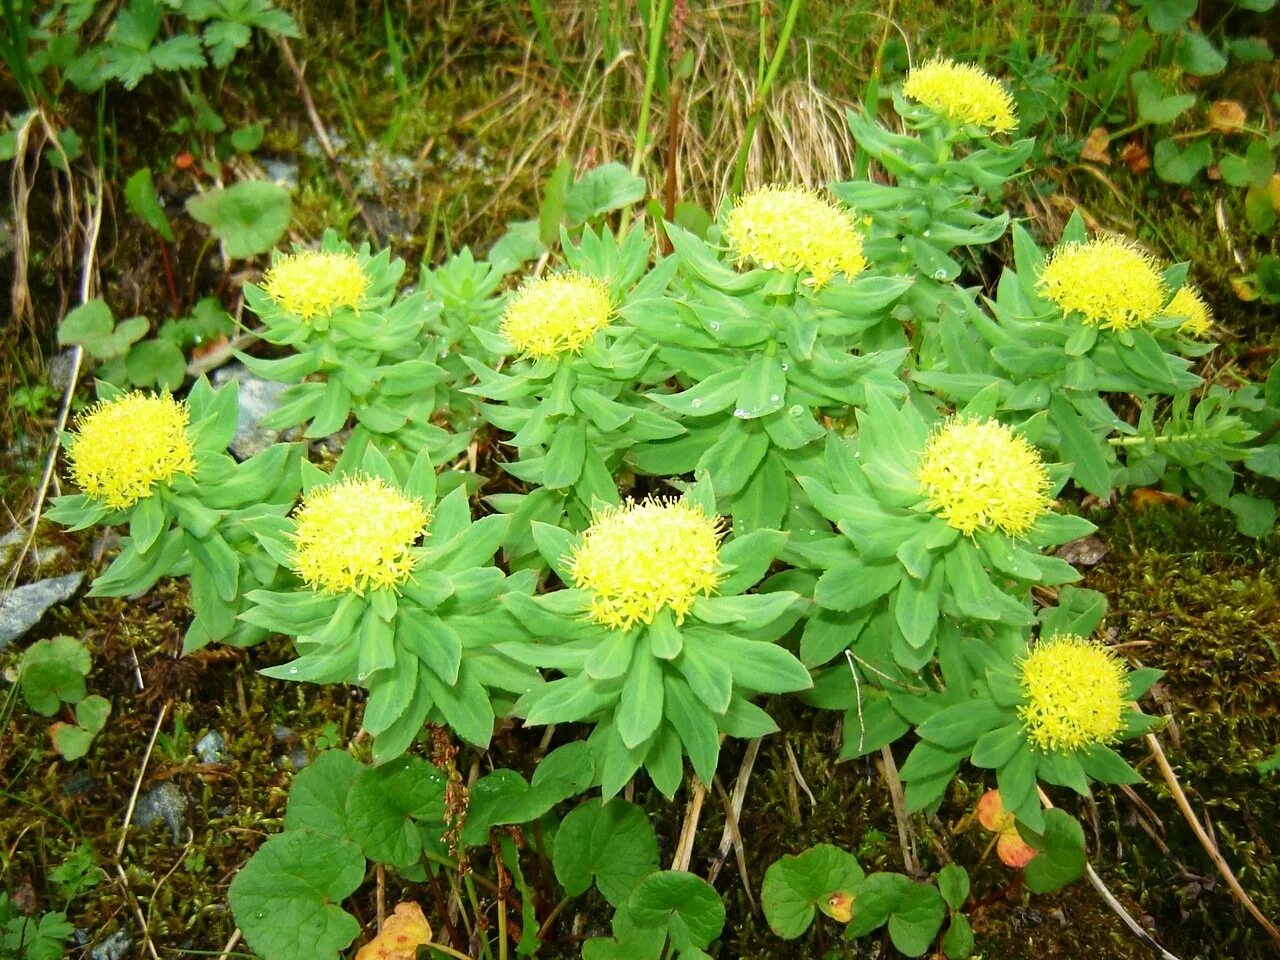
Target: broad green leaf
[
  {"x": 685, "y": 904},
  {"x": 386, "y": 804},
  {"x": 610, "y": 186},
  {"x": 249, "y": 217},
  {"x": 52, "y": 672},
  {"x": 1061, "y": 858},
  {"x": 795, "y": 886},
  {"x": 140, "y": 194},
  {"x": 318, "y": 797},
  {"x": 612, "y": 844},
  {"x": 285, "y": 899}
]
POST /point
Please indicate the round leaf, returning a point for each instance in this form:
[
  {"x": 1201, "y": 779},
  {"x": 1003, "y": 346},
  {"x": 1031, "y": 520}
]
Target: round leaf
[
  {"x": 795, "y": 886},
  {"x": 685, "y": 904}
]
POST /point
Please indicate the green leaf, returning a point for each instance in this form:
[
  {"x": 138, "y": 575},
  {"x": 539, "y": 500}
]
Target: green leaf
[
  {"x": 73, "y": 740},
  {"x": 1154, "y": 106},
  {"x": 640, "y": 704},
  {"x": 996, "y": 747},
  {"x": 140, "y": 194},
  {"x": 1106, "y": 766},
  {"x": 249, "y": 217},
  {"x": 958, "y": 941},
  {"x": 953, "y": 884},
  {"x": 1167, "y": 16},
  {"x": 52, "y": 672},
  {"x": 384, "y": 803},
  {"x": 959, "y": 726},
  {"x": 610, "y": 186},
  {"x": 90, "y": 325},
  {"x": 285, "y": 899},
  {"x": 611, "y": 843},
  {"x": 1176, "y": 165},
  {"x": 565, "y": 456},
  {"x": 685, "y": 904},
  {"x": 1061, "y": 859},
  {"x": 917, "y": 918},
  {"x": 795, "y": 886},
  {"x": 762, "y": 388},
  {"x": 318, "y": 797},
  {"x": 156, "y": 363},
  {"x": 1196, "y": 55}
]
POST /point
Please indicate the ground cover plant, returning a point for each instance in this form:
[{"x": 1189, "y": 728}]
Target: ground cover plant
[{"x": 583, "y": 525}]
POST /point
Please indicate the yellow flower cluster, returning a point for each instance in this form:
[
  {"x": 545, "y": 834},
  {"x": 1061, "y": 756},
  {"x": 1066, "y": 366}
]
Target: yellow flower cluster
[
  {"x": 962, "y": 93},
  {"x": 314, "y": 283},
  {"x": 124, "y": 446},
  {"x": 980, "y": 475},
  {"x": 556, "y": 314},
  {"x": 1189, "y": 304},
  {"x": 1075, "y": 693},
  {"x": 356, "y": 535},
  {"x": 641, "y": 557},
  {"x": 793, "y": 228},
  {"x": 1111, "y": 282}
]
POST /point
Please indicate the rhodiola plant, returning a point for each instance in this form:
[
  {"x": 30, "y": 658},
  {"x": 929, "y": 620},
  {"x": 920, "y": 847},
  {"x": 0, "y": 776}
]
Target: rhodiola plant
[
  {"x": 398, "y": 594},
  {"x": 161, "y": 467},
  {"x": 658, "y": 643}
]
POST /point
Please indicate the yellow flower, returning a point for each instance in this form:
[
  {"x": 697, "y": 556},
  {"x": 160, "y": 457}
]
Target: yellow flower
[
  {"x": 314, "y": 283},
  {"x": 980, "y": 475},
  {"x": 356, "y": 535},
  {"x": 1111, "y": 282},
  {"x": 1189, "y": 304},
  {"x": 793, "y": 228},
  {"x": 123, "y": 446},
  {"x": 962, "y": 93},
  {"x": 1075, "y": 693},
  {"x": 556, "y": 314},
  {"x": 641, "y": 557}
]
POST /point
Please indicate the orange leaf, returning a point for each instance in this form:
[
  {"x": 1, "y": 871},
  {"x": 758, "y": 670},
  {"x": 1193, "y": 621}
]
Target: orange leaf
[
  {"x": 840, "y": 907},
  {"x": 992, "y": 814},
  {"x": 1135, "y": 155},
  {"x": 1012, "y": 850},
  {"x": 1226, "y": 116},
  {"x": 1144, "y": 498},
  {"x": 405, "y": 930},
  {"x": 1097, "y": 146}
]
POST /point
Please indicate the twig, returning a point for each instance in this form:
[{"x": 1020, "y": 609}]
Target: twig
[
  {"x": 857, "y": 693},
  {"x": 381, "y": 874},
  {"x": 230, "y": 945},
  {"x": 689, "y": 830},
  {"x": 1206, "y": 841},
  {"x": 731, "y": 825},
  {"x": 795, "y": 771},
  {"x": 905, "y": 838},
  {"x": 216, "y": 358},
  {"x": 322, "y": 136},
  {"x": 739, "y": 796},
  {"x": 124, "y": 833},
  {"x": 1109, "y": 899}
]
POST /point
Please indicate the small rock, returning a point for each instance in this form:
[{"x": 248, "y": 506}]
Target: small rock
[
  {"x": 22, "y": 608},
  {"x": 60, "y": 367},
  {"x": 283, "y": 172},
  {"x": 210, "y": 747},
  {"x": 281, "y": 733},
  {"x": 166, "y": 804},
  {"x": 296, "y": 760},
  {"x": 258, "y": 398},
  {"x": 1085, "y": 552},
  {"x": 118, "y": 946},
  {"x": 78, "y": 784},
  {"x": 9, "y": 544}
]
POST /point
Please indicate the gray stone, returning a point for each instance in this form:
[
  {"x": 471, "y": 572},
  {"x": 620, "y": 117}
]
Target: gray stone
[
  {"x": 22, "y": 607},
  {"x": 296, "y": 760},
  {"x": 281, "y": 733},
  {"x": 10, "y": 543},
  {"x": 78, "y": 784},
  {"x": 258, "y": 398},
  {"x": 60, "y": 367},
  {"x": 118, "y": 946},
  {"x": 283, "y": 172},
  {"x": 162, "y": 804},
  {"x": 210, "y": 747}
]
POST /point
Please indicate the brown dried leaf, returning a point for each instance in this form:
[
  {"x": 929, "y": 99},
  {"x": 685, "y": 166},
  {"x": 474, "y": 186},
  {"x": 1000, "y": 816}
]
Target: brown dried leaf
[
  {"x": 405, "y": 930},
  {"x": 1085, "y": 552},
  {"x": 1097, "y": 146},
  {"x": 1145, "y": 497},
  {"x": 1227, "y": 116},
  {"x": 1135, "y": 155},
  {"x": 1012, "y": 850}
]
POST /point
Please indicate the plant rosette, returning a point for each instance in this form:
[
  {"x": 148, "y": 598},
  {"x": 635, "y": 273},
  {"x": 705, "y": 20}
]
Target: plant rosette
[
  {"x": 941, "y": 524},
  {"x": 398, "y": 594},
  {"x": 657, "y": 643},
  {"x": 160, "y": 466},
  {"x": 569, "y": 401},
  {"x": 764, "y": 360},
  {"x": 1048, "y": 712}
]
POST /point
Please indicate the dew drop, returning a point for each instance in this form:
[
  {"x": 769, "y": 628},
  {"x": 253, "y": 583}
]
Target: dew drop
[
  {"x": 927, "y": 233},
  {"x": 293, "y": 669},
  {"x": 856, "y": 454},
  {"x": 361, "y": 675},
  {"x": 940, "y": 275},
  {"x": 742, "y": 414},
  {"x": 1039, "y": 324},
  {"x": 714, "y": 324},
  {"x": 786, "y": 367},
  {"x": 696, "y": 404},
  {"x": 774, "y": 398},
  {"x": 797, "y": 410},
  {"x": 260, "y": 914}
]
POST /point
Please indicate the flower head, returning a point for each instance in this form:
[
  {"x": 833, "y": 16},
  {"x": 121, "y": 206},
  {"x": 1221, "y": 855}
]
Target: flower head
[
  {"x": 356, "y": 535},
  {"x": 1189, "y": 304},
  {"x": 556, "y": 314},
  {"x": 793, "y": 228},
  {"x": 312, "y": 283},
  {"x": 1075, "y": 693},
  {"x": 124, "y": 446},
  {"x": 980, "y": 475},
  {"x": 1111, "y": 282},
  {"x": 641, "y": 557},
  {"x": 962, "y": 93}
]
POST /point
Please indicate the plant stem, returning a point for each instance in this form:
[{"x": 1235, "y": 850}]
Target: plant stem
[
  {"x": 657, "y": 30},
  {"x": 1163, "y": 438},
  {"x": 762, "y": 93}
]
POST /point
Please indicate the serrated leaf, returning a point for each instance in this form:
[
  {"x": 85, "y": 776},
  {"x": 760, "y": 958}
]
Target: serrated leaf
[
  {"x": 249, "y": 217},
  {"x": 685, "y": 904}
]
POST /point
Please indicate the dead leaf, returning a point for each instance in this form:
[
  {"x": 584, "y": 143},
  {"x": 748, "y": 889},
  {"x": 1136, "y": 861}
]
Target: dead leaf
[
  {"x": 1243, "y": 289},
  {"x": 405, "y": 930},
  {"x": 1227, "y": 116},
  {"x": 840, "y": 907},
  {"x": 1012, "y": 850},
  {"x": 1097, "y": 146},
  {"x": 1145, "y": 497},
  {"x": 992, "y": 814},
  {"x": 1135, "y": 155}
]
